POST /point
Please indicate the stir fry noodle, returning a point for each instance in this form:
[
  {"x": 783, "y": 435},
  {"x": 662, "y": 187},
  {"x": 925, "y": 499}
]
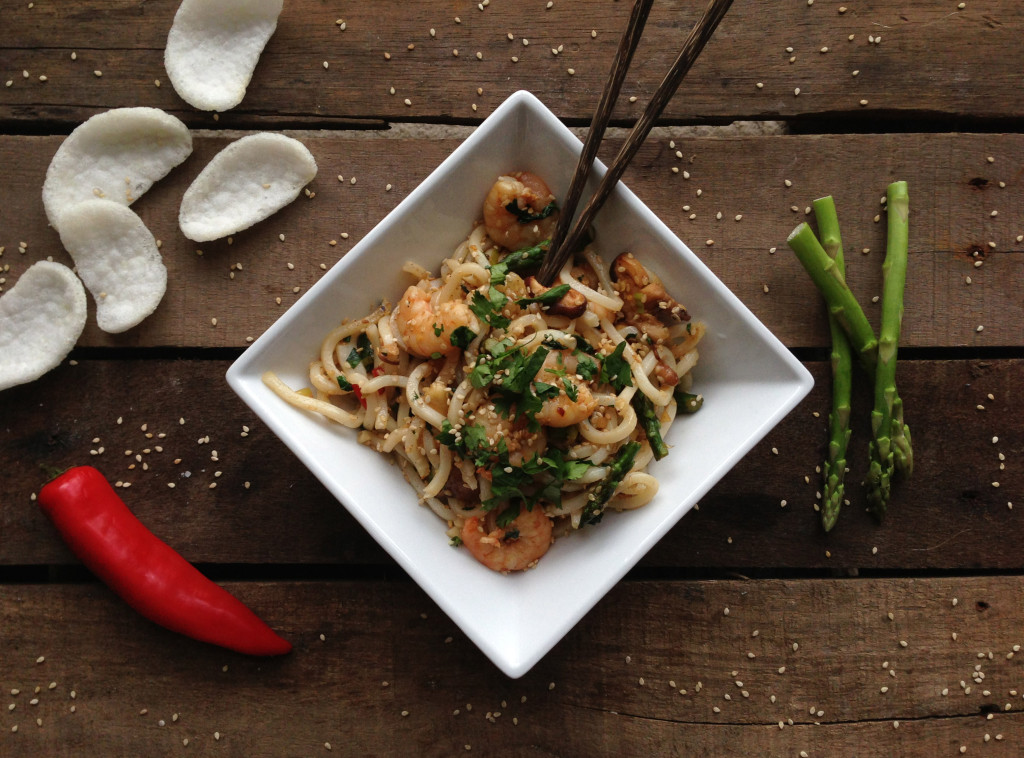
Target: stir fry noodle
[{"x": 518, "y": 412}]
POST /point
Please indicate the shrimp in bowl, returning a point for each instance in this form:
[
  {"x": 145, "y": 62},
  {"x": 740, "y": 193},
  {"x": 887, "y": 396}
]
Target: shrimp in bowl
[{"x": 519, "y": 412}]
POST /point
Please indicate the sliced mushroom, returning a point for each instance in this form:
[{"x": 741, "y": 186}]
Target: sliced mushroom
[{"x": 645, "y": 291}]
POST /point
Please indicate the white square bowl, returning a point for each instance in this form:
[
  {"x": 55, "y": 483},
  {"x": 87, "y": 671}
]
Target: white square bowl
[{"x": 749, "y": 380}]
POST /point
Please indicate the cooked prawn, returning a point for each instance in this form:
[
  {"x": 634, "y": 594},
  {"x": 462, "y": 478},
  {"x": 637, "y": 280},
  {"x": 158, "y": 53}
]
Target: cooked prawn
[
  {"x": 559, "y": 369},
  {"x": 515, "y": 547},
  {"x": 426, "y": 332},
  {"x": 521, "y": 443},
  {"x": 519, "y": 211}
]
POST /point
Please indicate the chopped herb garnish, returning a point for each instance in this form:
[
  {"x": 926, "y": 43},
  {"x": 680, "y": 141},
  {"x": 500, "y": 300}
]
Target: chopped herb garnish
[
  {"x": 438, "y": 328},
  {"x": 528, "y": 215},
  {"x": 615, "y": 369},
  {"x": 361, "y": 353},
  {"x": 506, "y": 517},
  {"x": 344, "y": 383},
  {"x": 488, "y": 307},
  {"x": 585, "y": 367},
  {"x": 461, "y": 337},
  {"x": 571, "y": 390},
  {"x": 470, "y": 442},
  {"x": 523, "y": 370}
]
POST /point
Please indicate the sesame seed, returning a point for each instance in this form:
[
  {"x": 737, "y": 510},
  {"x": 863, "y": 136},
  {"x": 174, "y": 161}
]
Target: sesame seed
[
  {"x": 796, "y": 92},
  {"x": 97, "y": 73}
]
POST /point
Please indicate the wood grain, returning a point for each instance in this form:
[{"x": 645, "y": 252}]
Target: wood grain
[
  {"x": 975, "y": 76},
  {"x": 948, "y": 516},
  {"x": 393, "y": 676},
  {"x": 954, "y": 191}
]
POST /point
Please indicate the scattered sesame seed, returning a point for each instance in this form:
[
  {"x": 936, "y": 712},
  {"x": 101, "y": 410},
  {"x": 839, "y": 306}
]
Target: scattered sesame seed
[
  {"x": 796, "y": 92},
  {"x": 97, "y": 73}
]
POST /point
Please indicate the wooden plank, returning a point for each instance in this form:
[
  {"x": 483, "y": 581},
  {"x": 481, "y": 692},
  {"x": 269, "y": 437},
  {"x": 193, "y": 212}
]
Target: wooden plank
[
  {"x": 954, "y": 192},
  {"x": 975, "y": 76},
  {"x": 948, "y": 516},
  {"x": 393, "y": 676}
]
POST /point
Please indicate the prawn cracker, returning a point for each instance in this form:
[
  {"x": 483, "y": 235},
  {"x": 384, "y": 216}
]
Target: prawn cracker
[
  {"x": 117, "y": 258},
  {"x": 116, "y": 155},
  {"x": 41, "y": 319},
  {"x": 246, "y": 182},
  {"x": 213, "y": 48}
]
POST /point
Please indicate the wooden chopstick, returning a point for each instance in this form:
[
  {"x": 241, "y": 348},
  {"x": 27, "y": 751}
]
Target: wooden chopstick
[
  {"x": 700, "y": 34},
  {"x": 598, "y": 124}
]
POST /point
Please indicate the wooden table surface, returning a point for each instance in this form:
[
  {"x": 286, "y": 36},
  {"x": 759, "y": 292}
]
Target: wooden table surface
[{"x": 746, "y": 631}]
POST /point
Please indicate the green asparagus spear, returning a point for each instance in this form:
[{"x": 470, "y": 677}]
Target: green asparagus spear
[
  {"x": 520, "y": 260},
  {"x": 648, "y": 419},
  {"x": 898, "y": 205},
  {"x": 834, "y": 470},
  {"x": 894, "y": 272},
  {"x": 687, "y": 402},
  {"x": 618, "y": 468},
  {"x": 841, "y": 303}
]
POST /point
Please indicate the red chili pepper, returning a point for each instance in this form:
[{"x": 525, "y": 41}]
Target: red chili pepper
[
  {"x": 146, "y": 572},
  {"x": 359, "y": 395},
  {"x": 377, "y": 371}
]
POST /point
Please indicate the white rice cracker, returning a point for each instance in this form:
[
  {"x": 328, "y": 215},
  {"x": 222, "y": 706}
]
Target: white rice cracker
[
  {"x": 213, "y": 47},
  {"x": 41, "y": 319},
  {"x": 249, "y": 180},
  {"x": 117, "y": 258},
  {"x": 116, "y": 155}
]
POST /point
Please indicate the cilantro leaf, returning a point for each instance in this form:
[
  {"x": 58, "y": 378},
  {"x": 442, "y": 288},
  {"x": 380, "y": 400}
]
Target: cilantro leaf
[
  {"x": 523, "y": 370},
  {"x": 344, "y": 383},
  {"x": 586, "y": 368},
  {"x": 571, "y": 390},
  {"x": 506, "y": 517},
  {"x": 461, "y": 337},
  {"x": 615, "y": 369},
  {"x": 488, "y": 307},
  {"x": 528, "y": 215},
  {"x": 361, "y": 353}
]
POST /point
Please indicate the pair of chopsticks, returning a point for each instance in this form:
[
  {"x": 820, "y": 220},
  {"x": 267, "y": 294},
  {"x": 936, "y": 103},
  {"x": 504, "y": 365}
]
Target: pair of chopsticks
[{"x": 566, "y": 238}]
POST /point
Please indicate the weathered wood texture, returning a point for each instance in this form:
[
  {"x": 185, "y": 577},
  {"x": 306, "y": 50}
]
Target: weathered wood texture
[
  {"x": 949, "y": 516},
  {"x": 954, "y": 192},
  {"x": 393, "y": 676},
  {"x": 931, "y": 59}
]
